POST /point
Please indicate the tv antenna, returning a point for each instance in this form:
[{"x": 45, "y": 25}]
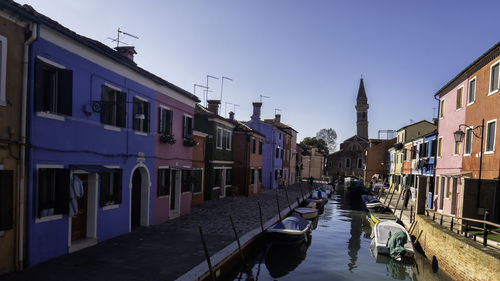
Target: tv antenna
[
  {"x": 117, "y": 39},
  {"x": 262, "y": 96}
]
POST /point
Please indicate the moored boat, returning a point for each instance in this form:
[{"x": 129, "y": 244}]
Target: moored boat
[
  {"x": 390, "y": 238},
  {"x": 380, "y": 213},
  {"x": 290, "y": 230},
  {"x": 306, "y": 213}
]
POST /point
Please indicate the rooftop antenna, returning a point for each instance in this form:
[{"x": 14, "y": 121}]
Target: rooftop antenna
[
  {"x": 262, "y": 96},
  {"x": 234, "y": 107},
  {"x": 222, "y": 85},
  {"x": 117, "y": 39},
  {"x": 225, "y": 108}
]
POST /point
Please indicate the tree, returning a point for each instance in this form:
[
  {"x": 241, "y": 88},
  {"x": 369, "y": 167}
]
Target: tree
[
  {"x": 318, "y": 143},
  {"x": 329, "y": 136}
]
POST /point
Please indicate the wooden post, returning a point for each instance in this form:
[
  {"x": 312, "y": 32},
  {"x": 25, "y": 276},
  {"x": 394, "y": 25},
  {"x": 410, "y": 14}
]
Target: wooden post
[
  {"x": 207, "y": 256},
  {"x": 298, "y": 202},
  {"x": 433, "y": 216},
  {"x": 288, "y": 200},
  {"x": 237, "y": 239},
  {"x": 260, "y": 215},
  {"x": 441, "y": 220},
  {"x": 397, "y": 203},
  {"x": 278, "y": 205},
  {"x": 411, "y": 214},
  {"x": 485, "y": 235},
  {"x": 416, "y": 240},
  {"x": 451, "y": 225},
  {"x": 401, "y": 214},
  {"x": 466, "y": 228}
]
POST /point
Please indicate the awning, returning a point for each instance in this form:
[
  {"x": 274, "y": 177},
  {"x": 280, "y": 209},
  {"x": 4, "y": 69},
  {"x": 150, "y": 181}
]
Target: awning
[{"x": 90, "y": 168}]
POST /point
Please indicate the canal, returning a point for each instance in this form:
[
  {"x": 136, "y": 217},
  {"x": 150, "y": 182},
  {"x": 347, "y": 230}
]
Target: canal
[{"x": 339, "y": 249}]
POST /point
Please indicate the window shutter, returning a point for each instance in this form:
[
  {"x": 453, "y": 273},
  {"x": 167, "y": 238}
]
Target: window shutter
[
  {"x": 65, "y": 92},
  {"x": 6, "y": 198},
  {"x": 169, "y": 121},
  {"x": 184, "y": 126},
  {"x": 147, "y": 113},
  {"x": 121, "y": 109},
  {"x": 38, "y": 97},
  {"x": 104, "y": 188},
  {"x": 118, "y": 186},
  {"x": 135, "y": 110},
  {"x": 161, "y": 122},
  {"x": 62, "y": 191}
]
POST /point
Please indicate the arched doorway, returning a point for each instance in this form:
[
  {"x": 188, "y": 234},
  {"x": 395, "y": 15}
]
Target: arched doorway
[{"x": 139, "y": 196}]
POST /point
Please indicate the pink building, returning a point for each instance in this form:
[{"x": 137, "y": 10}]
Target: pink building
[
  {"x": 449, "y": 180},
  {"x": 175, "y": 176}
]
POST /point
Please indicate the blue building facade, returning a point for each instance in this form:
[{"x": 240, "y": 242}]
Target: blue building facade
[
  {"x": 272, "y": 152},
  {"x": 91, "y": 128},
  {"x": 429, "y": 164}
]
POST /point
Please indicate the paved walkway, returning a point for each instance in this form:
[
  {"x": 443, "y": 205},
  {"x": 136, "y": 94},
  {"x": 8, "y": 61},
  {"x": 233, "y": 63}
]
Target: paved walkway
[{"x": 165, "y": 251}]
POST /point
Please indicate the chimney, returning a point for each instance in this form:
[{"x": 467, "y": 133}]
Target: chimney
[
  {"x": 213, "y": 106},
  {"x": 277, "y": 119},
  {"x": 231, "y": 115},
  {"x": 127, "y": 52},
  {"x": 256, "y": 111}
]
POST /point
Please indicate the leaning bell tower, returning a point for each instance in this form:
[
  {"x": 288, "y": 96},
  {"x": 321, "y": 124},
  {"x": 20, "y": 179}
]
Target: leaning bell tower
[{"x": 362, "y": 111}]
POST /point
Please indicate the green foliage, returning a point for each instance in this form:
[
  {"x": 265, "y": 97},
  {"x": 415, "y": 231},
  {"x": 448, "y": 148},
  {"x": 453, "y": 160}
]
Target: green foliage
[{"x": 318, "y": 143}]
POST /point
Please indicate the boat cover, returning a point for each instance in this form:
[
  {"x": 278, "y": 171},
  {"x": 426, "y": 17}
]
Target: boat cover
[
  {"x": 396, "y": 244},
  {"x": 291, "y": 225}
]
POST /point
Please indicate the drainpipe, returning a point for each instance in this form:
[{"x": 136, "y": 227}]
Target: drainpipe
[
  {"x": 22, "y": 173},
  {"x": 435, "y": 155}
]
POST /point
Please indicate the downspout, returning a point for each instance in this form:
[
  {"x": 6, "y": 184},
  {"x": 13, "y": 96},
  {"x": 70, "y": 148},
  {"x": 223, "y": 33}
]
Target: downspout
[
  {"x": 435, "y": 155},
  {"x": 22, "y": 173}
]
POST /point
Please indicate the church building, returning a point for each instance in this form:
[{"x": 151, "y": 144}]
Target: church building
[{"x": 350, "y": 159}]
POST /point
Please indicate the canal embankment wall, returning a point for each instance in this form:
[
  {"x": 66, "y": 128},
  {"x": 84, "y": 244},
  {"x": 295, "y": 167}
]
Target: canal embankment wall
[{"x": 458, "y": 256}]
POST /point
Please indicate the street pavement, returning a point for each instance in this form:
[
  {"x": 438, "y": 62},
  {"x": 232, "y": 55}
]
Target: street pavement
[{"x": 165, "y": 251}]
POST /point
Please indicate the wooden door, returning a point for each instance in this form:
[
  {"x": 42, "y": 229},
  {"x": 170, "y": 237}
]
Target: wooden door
[
  {"x": 136, "y": 199},
  {"x": 79, "y": 221}
]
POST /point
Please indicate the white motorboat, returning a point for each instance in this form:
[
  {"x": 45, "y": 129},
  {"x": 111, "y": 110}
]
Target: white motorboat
[
  {"x": 306, "y": 213},
  {"x": 380, "y": 244}
]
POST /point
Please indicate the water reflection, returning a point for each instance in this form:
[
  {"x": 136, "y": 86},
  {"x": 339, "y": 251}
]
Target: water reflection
[{"x": 282, "y": 260}]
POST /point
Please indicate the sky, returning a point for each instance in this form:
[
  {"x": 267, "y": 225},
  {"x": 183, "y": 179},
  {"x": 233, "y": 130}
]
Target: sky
[{"x": 306, "y": 56}]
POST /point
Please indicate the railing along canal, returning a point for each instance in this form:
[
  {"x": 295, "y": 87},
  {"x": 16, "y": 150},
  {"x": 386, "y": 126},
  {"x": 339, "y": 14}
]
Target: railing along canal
[{"x": 465, "y": 225}]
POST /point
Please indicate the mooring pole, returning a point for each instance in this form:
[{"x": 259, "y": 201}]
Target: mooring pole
[
  {"x": 397, "y": 203},
  {"x": 278, "y": 205},
  {"x": 237, "y": 239},
  {"x": 301, "y": 192},
  {"x": 298, "y": 202},
  {"x": 207, "y": 256},
  {"x": 288, "y": 200},
  {"x": 260, "y": 215}
]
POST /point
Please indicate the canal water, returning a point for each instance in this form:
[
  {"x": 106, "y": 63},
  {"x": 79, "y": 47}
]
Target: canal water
[{"x": 339, "y": 249}]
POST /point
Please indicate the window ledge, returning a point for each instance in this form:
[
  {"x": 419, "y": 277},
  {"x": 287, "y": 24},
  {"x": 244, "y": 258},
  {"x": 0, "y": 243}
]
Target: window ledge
[
  {"x": 111, "y": 207},
  {"x": 163, "y": 196},
  {"x": 491, "y": 93},
  {"x": 48, "y": 218},
  {"x": 50, "y": 115},
  {"x": 467, "y": 154},
  {"x": 185, "y": 192},
  {"x": 471, "y": 103},
  {"x": 112, "y": 128},
  {"x": 489, "y": 152},
  {"x": 196, "y": 193},
  {"x": 141, "y": 133},
  {"x": 458, "y": 109}
]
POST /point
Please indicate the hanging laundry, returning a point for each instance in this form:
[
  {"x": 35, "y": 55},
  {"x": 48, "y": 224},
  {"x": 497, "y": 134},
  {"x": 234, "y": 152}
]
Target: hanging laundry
[{"x": 75, "y": 193}]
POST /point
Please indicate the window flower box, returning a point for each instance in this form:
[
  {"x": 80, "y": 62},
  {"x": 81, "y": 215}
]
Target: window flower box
[
  {"x": 167, "y": 139},
  {"x": 190, "y": 141}
]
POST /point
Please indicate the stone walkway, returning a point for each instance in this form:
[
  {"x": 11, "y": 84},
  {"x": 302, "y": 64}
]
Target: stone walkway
[{"x": 165, "y": 251}]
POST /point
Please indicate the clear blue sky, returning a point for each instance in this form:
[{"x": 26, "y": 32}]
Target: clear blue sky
[{"x": 306, "y": 55}]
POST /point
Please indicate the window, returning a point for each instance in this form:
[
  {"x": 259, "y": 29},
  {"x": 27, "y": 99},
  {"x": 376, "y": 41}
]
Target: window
[
  {"x": 275, "y": 174},
  {"x": 227, "y": 139},
  {"x": 360, "y": 163},
  {"x": 348, "y": 163},
  {"x": 114, "y": 110},
  {"x": 277, "y": 152},
  {"x": 260, "y": 175},
  {"x": 219, "y": 138},
  {"x": 471, "y": 97},
  {"x": 468, "y": 141},
  {"x": 196, "y": 177},
  {"x": 439, "y": 146},
  {"x": 141, "y": 114},
  {"x": 252, "y": 176},
  {"x": 163, "y": 182},
  {"x": 441, "y": 109},
  {"x": 53, "y": 192},
  {"x": 433, "y": 148},
  {"x": 254, "y": 148},
  {"x": 111, "y": 188},
  {"x": 53, "y": 88},
  {"x": 164, "y": 121},
  {"x": 490, "y": 136},
  {"x": 3, "y": 70},
  {"x": 260, "y": 147},
  {"x": 280, "y": 135},
  {"x": 448, "y": 189},
  {"x": 6, "y": 199},
  {"x": 187, "y": 127},
  {"x": 459, "y": 97},
  {"x": 282, "y": 150},
  {"x": 340, "y": 164},
  {"x": 191, "y": 181},
  {"x": 494, "y": 78},
  {"x": 456, "y": 150}
]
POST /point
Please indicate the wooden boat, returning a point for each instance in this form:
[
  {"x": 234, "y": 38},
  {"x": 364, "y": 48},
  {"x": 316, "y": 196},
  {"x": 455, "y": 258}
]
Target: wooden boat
[
  {"x": 316, "y": 204},
  {"x": 290, "y": 230},
  {"x": 370, "y": 201},
  {"x": 380, "y": 213},
  {"x": 381, "y": 233},
  {"x": 306, "y": 213}
]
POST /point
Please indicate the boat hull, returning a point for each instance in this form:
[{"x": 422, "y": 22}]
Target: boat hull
[{"x": 381, "y": 233}]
